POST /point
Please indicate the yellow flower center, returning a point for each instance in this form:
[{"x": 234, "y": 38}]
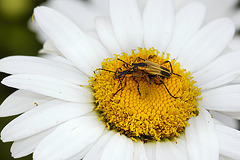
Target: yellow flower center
[{"x": 141, "y": 102}]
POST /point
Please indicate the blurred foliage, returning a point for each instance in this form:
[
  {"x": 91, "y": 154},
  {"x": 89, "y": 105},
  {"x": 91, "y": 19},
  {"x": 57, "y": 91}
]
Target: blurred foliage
[
  {"x": 237, "y": 8},
  {"x": 15, "y": 39}
]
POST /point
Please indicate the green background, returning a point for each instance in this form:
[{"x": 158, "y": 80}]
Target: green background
[{"x": 15, "y": 39}]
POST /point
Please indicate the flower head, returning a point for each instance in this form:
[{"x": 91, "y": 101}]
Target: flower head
[{"x": 141, "y": 90}]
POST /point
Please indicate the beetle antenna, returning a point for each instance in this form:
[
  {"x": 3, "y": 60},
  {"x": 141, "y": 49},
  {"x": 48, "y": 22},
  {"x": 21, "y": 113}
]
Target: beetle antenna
[
  {"x": 104, "y": 70},
  {"x": 124, "y": 62}
]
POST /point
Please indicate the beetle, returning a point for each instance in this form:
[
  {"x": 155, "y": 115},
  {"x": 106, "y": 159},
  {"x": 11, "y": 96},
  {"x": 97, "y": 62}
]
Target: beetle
[
  {"x": 151, "y": 70},
  {"x": 144, "y": 69},
  {"x": 122, "y": 74}
]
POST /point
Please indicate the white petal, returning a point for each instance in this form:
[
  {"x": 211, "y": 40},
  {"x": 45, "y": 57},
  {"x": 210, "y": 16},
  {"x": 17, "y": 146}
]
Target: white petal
[
  {"x": 68, "y": 39},
  {"x": 81, "y": 154},
  {"x": 69, "y": 138},
  {"x": 139, "y": 151},
  {"x": 119, "y": 147},
  {"x": 207, "y": 44},
  {"x": 141, "y": 4},
  {"x": 234, "y": 43},
  {"x": 106, "y": 34},
  {"x": 235, "y": 115},
  {"x": 221, "y": 80},
  {"x": 37, "y": 65},
  {"x": 201, "y": 139},
  {"x": 181, "y": 145},
  {"x": 96, "y": 151},
  {"x": 151, "y": 150},
  {"x": 188, "y": 21},
  {"x": 127, "y": 23},
  {"x": 229, "y": 141},
  {"x": 225, "y": 119},
  {"x": 55, "y": 57},
  {"x": 158, "y": 19},
  {"x": 235, "y": 81},
  {"x": 224, "y": 98},
  {"x": 80, "y": 12},
  {"x": 221, "y": 71},
  {"x": 26, "y": 146},
  {"x": 21, "y": 101},
  {"x": 98, "y": 47},
  {"x": 49, "y": 47},
  {"x": 43, "y": 117},
  {"x": 49, "y": 86},
  {"x": 223, "y": 157},
  {"x": 168, "y": 150}
]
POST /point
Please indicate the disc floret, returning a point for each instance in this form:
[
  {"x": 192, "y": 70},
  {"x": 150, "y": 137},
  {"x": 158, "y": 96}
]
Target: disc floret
[{"x": 137, "y": 106}]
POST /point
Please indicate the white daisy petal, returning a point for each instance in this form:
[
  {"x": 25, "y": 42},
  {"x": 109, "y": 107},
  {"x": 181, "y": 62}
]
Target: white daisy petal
[
  {"x": 56, "y": 57},
  {"x": 151, "y": 150},
  {"x": 119, "y": 147},
  {"x": 106, "y": 34},
  {"x": 225, "y": 119},
  {"x": 224, "y": 98},
  {"x": 83, "y": 152},
  {"x": 188, "y": 21},
  {"x": 229, "y": 139},
  {"x": 235, "y": 115},
  {"x": 127, "y": 23},
  {"x": 43, "y": 117},
  {"x": 158, "y": 19},
  {"x": 234, "y": 44},
  {"x": 207, "y": 44},
  {"x": 235, "y": 81},
  {"x": 139, "y": 151},
  {"x": 49, "y": 86},
  {"x": 69, "y": 138},
  {"x": 68, "y": 39},
  {"x": 26, "y": 146},
  {"x": 97, "y": 149},
  {"x": 21, "y": 101},
  {"x": 168, "y": 150},
  {"x": 98, "y": 47},
  {"x": 49, "y": 47},
  {"x": 221, "y": 71},
  {"x": 201, "y": 139},
  {"x": 181, "y": 145},
  {"x": 81, "y": 12},
  {"x": 37, "y": 65},
  {"x": 223, "y": 157},
  {"x": 221, "y": 80}
]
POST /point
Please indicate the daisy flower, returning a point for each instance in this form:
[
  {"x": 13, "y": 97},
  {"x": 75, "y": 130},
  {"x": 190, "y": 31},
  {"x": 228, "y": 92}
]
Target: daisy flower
[{"x": 140, "y": 88}]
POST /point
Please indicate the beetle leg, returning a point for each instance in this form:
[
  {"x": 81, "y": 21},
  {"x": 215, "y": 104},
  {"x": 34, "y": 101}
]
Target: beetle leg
[
  {"x": 167, "y": 89},
  {"x": 150, "y": 57},
  {"x": 120, "y": 89},
  {"x": 137, "y": 86},
  {"x": 148, "y": 79},
  {"x": 124, "y": 62},
  {"x": 170, "y": 66},
  {"x": 161, "y": 82}
]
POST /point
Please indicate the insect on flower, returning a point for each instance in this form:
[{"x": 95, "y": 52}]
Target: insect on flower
[{"x": 143, "y": 68}]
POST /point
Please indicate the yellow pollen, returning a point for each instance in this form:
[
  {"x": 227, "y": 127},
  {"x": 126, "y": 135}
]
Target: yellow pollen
[{"x": 135, "y": 103}]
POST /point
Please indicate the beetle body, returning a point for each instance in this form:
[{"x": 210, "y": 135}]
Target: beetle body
[{"x": 144, "y": 69}]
